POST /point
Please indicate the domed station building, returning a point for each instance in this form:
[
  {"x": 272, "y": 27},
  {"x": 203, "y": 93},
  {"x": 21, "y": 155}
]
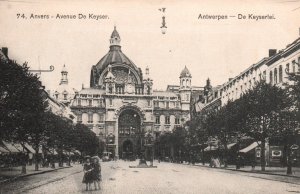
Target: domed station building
[{"x": 121, "y": 107}]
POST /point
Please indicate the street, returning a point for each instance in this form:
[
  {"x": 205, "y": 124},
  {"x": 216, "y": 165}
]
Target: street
[{"x": 166, "y": 178}]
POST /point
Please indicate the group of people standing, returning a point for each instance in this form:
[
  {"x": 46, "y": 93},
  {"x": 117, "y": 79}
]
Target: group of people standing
[{"x": 92, "y": 172}]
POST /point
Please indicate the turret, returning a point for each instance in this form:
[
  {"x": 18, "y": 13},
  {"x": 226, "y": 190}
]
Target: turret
[
  {"x": 185, "y": 89},
  {"x": 64, "y": 76},
  {"x": 110, "y": 81},
  {"x": 115, "y": 39},
  {"x": 148, "y": 83}
]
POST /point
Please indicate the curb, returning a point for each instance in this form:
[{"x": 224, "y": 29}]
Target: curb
[
  {"x": 35, "y": 173},
  {"x": 254, "y": 172}
]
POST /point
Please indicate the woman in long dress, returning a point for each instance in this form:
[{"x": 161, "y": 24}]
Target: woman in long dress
[
  {"x": 96, "y": 172},
  {"x": 87, "y": 177}
]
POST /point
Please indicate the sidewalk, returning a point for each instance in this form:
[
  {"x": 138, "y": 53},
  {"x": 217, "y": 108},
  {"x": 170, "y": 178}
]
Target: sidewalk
[
  {"x": 10, "y": 174},
  {"x": 269, "y": 170}
]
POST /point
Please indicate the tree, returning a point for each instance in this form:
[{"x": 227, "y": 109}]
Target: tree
[
  {"x": 290, "y": 117},
  {"x": 263, "y": 104},
  {"x": 22, "y": 105},
  {"x": 59, "y": 130},
  {"x": 85, "y": 140}
]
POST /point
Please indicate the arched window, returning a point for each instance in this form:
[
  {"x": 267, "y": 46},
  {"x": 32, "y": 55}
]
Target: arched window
[
  {"x": 96, "y": 118},
  {"x": 275, "y": 76},
  {"x": 294, "y": 66},
  {"x": 85, "y": 118},
  {"x": 280, "y": 74},
  {"x": 271, "y": 77},
  {"x": 299, "y": 65},
  {"x": 183, "y": 82}
]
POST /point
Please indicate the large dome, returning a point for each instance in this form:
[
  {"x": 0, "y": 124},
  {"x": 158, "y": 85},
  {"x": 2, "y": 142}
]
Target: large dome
[
  {"x": 117, "y": 59},
  {"x": 114, "y": 56}
]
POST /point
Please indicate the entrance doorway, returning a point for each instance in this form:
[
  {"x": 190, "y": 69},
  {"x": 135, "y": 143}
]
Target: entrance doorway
[
  {"x": 130, "y": 133},
  {"x": 127, "y": 152}
]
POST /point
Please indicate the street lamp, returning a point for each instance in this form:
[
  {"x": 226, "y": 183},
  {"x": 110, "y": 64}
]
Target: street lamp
[
  {"x": 149, "y": 140},
  {"x": 163, "y": 27}
]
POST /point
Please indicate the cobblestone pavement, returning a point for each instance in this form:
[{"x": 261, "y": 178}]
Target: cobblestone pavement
[{"x": 166, "y": 178}]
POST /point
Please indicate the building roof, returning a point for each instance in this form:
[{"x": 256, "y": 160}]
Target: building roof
[
  {"x": 164, "y": 93},
  {"x": 185, "y": 73},
  {"x": 115, "y": 33},
  {"x": 115, "y": 56},
  {"x": 92, "y": 91},
  {"x": 64, "y": 69}
]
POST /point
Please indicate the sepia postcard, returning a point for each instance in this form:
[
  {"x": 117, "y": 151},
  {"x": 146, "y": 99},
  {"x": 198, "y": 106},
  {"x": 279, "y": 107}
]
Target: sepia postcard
[{"x": 161, "y": 96}]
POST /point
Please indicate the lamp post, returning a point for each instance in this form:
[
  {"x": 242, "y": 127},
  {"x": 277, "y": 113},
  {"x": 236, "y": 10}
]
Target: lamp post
[
  {"x": 163, "y": 27},
  {"x": 149, "y": 140}
]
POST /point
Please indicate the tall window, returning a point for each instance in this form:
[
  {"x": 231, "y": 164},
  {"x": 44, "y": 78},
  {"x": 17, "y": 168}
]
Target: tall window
[
  {"x": 90, "y": 118},
  {"x": 177, "y": 121},
  {"x": 299, "y": 64},
  {"x": 149, "y": 103},
  {"x": 79, "y": 102},
  {"x": 294, "y": 66},
  {"x": 90, "y": 102},
  {"x": 275, "y": 76},
  {"x": 167, "y": 119},
  {"x": 110, "y": 102},
  {"x": 264, "y": 75},
  {"x": 280, "y": 74},
  {"x": 79, "y": 118},
  {"x": 101, "y": 118},
  {"x": 271, "y": 77},
  {"x": 167, "y": 104},
  {"x": 288, "y": 68},
  {"x": 65, "y": 96},
  {"x": 157, "y": 120},
  {"x": 187, "y": 97}
]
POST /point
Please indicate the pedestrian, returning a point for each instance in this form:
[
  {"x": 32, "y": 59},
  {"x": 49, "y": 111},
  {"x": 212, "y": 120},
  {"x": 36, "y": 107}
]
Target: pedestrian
[
  {"x": 96, "y": 172},
  {"x": 238, "y": 161},
  {"x": 87, "y": 177}
]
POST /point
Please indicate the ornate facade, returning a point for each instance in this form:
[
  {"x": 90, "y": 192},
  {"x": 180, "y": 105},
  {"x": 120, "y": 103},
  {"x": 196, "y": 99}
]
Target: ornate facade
[
  {"x": 121, "y": 106},
  {"x": 64, "y": 93}
]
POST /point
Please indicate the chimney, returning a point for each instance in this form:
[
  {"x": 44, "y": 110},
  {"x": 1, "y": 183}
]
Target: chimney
[
  {"x": 272, "y": 52},
  {"x": 5, "y": 51}
]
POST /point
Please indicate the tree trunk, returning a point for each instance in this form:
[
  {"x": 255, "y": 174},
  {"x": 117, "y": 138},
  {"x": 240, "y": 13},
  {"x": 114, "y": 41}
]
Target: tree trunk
[
  {"x": 225, "y": 154},
  {"x": 203, "y": 162},
  {"x": 23, "y": 162},
  {"x": 262, "y": 154},
  {"x": 289, "y": 161},
  {"x": 36, "y": 164}
]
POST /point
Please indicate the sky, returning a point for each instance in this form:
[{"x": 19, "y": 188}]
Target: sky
[{"x": 218, "y": 49}]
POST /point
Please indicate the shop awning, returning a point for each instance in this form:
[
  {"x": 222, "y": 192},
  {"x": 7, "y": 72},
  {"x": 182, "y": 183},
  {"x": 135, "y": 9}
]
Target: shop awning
[
  {"x": 29, "y": 148},
  {"x": 19, "y": 147},
  {"x": 250, "y": 147},
  {"x": 10, "y": 147},
  {"x": 210, "y": 148},
  {"x": 3, "y": 150},
  {"x": 229, "y": 146},
  {"x": 77, "y": 152}
]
